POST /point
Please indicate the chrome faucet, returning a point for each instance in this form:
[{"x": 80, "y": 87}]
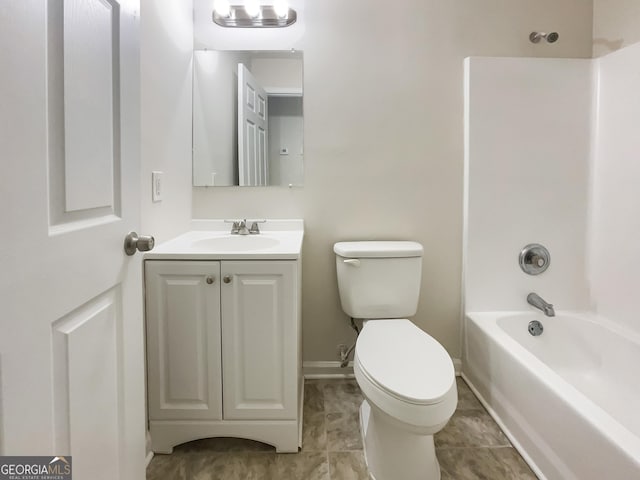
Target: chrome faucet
[
  {"x": 537, "y": 301},
  {"x": 239, "y": 227}
]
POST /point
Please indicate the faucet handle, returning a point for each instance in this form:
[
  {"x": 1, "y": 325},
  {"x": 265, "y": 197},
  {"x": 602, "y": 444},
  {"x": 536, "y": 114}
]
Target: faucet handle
[
  {"x": 254, "y": 226},
  {"x": 235, "y": 228}
]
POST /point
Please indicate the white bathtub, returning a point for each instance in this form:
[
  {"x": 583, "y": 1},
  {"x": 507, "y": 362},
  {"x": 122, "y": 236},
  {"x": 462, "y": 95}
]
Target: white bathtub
[{"x": 568, "y": 399}]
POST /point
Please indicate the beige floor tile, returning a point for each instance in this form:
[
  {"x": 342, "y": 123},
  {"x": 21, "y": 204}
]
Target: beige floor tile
[
  {"x": 347, "y": 466},
  {"x": 302, "y": 466},
  {"x": 471, "y": 428},
  {"x": 515, "y": 466},
  {"x": 478, "y": 464},
  {"x": 314, "y": 433},
  {"x": 342, "y": 396},
  {"x": 343, "y": 432},
  {"x": 313, "y": 398},
  {"x": 232, "y": 466},
  {"x": 466, "y": 398},
  {"x": 169, "y": 467},
  {"x": 471, "y": 447}
]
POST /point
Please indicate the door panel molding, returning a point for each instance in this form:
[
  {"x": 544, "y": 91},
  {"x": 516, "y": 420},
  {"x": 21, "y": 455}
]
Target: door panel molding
[
  {"x": 83, "y": 114},
  {"x": 88, "y": 382}
]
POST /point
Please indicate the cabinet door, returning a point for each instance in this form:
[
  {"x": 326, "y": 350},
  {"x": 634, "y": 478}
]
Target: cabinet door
[
  {"x": 183, "y": 340},
  {"x": 259, "y": 340}
]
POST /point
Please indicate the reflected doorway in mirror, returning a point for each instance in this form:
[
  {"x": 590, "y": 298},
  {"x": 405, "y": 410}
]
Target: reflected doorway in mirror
[{"x": 222, "y": 135}]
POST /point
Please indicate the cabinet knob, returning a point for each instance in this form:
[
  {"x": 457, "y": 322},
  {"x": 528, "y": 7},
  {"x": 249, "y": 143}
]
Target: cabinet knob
[
  {"x": 227, "y": 279},
  {"x": 211, "y": 279}
]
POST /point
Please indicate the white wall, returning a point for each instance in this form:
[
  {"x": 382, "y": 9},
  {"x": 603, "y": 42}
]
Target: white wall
[
  {"x": 614, "y": 268},
  {"x": 615, "y": 25},
  {"x": 383, "y": 130},
  {"x": 165, "y": 57},
  {"x": 527, "y": 164}
]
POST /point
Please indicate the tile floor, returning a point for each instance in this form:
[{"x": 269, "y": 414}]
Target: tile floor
[{"x": 470, "y": 447}]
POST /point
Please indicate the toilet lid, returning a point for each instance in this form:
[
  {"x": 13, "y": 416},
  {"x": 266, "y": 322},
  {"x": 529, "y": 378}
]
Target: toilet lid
[{"x": 404, "y": 361}]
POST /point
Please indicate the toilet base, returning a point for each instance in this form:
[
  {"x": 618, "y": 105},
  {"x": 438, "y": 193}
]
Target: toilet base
[{"x": 393, "y": 453}]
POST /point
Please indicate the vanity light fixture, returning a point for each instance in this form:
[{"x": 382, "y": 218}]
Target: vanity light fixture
[
  {"x": 281, "y": 8},
  {"x": 222, "y": 7},
  {"x": 253, "y": 15},
  {"x": 252, "y": 7}
]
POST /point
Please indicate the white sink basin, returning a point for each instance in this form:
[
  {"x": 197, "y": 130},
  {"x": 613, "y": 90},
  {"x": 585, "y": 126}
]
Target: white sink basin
[
  {"x": 212, "y": 240},
  {"x": 235, "y": 243}
]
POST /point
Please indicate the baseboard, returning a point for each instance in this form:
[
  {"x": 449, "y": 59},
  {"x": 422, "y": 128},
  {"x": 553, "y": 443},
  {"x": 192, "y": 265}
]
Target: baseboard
[
  {"x": 332, "y": 369},
  {"x": 457, "y": 365},
  {"x": 148, "y": 459},
  {"x": 329, "y": 369}
]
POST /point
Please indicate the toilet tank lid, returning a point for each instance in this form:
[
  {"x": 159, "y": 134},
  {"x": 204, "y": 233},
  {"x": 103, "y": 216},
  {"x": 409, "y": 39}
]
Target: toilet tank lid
[{"x": 378, "y": 249}]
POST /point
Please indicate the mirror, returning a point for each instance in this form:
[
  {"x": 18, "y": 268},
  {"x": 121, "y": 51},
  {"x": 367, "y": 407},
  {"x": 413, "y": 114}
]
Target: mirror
[{"x": 247, "y": 118}]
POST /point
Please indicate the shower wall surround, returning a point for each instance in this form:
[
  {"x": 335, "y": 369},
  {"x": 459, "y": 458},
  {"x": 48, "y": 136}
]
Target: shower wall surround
[
  {"x": 551, "y": 158},
  {"x": 614, "y": 263},
  {"x": 528, "y": 137}
]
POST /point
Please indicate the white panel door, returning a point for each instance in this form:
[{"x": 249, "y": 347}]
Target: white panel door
[
  {"x": 183, "y": 340},
  {"x": 252, "y": 130},
  {"x": 71, "y": 331},
  {"x": 259, "y": 340}
]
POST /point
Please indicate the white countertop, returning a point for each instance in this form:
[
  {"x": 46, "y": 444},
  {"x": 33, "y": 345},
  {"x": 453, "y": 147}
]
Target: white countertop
[{"x": 282, "y": 241}]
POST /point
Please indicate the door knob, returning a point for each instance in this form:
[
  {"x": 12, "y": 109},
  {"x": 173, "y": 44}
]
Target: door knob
[
  {"x": 142, "y": 243},
  {"x": 211, "y": 279},
  {"x": 227, "y": 279}
]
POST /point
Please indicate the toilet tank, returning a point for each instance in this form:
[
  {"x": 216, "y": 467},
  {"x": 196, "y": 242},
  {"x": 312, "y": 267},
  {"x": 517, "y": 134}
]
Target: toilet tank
[{"x": 379, "y": 279}]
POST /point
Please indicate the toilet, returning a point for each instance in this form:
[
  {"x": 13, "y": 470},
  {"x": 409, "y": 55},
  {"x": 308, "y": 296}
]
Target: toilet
[{"x": 406, "y": 377}]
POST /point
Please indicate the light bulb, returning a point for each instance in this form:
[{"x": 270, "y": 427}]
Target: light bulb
[
  {"x": 281, "y": 8},
  {"x": 252, "y": 7},
  {"x": 222, "y": 7}
]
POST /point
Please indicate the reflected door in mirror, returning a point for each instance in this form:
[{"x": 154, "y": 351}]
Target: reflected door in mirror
[{"x": 247, "y": 132}]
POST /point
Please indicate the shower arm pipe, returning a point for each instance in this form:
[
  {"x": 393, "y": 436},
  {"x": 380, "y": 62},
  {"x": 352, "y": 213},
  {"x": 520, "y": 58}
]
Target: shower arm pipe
[{"x": 536, "y": 37}]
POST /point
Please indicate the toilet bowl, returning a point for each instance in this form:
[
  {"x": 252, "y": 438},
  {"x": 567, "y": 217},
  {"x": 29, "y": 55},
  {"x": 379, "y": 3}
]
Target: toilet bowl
[
  {"x": 406, "y": 377},
  {"x": 408, "y": 381}
]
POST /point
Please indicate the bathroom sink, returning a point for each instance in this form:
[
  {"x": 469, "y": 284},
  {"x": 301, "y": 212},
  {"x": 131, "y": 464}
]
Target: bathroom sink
[
  {"x": 212, "y": 240},
  {"x": 235, "y": 243}
]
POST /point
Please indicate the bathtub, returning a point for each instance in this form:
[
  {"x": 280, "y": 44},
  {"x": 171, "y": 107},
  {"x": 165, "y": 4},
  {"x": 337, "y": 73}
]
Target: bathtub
[{"x": 569, "y": 399}]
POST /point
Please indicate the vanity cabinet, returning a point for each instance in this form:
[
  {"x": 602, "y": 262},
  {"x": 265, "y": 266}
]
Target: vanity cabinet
[
  {"x": 184, "y": 366},
  {"x": 223, "y": 351},
  {"x": 259, "y": 344}
]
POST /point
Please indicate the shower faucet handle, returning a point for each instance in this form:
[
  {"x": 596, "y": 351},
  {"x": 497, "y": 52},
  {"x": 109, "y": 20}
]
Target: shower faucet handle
[{"x": 534, "y": 259}]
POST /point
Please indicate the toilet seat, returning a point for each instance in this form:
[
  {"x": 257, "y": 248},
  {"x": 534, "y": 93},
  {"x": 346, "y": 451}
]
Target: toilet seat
[{"x": 404, "y": 362}]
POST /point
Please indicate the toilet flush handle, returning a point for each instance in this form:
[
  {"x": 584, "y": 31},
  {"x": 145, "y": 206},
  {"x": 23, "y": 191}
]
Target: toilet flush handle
[{"x": 352, "y": 261}]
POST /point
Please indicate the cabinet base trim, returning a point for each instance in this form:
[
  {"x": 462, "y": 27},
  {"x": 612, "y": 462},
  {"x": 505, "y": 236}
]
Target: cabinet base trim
[{"x": 166, "y": 434}]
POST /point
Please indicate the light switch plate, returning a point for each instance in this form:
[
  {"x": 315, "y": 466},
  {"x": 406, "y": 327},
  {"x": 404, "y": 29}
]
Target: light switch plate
[{"x": 157, "y": 188}]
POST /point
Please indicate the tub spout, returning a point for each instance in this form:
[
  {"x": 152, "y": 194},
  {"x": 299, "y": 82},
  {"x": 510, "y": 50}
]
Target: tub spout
[{"x": 537, "y": 301}]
